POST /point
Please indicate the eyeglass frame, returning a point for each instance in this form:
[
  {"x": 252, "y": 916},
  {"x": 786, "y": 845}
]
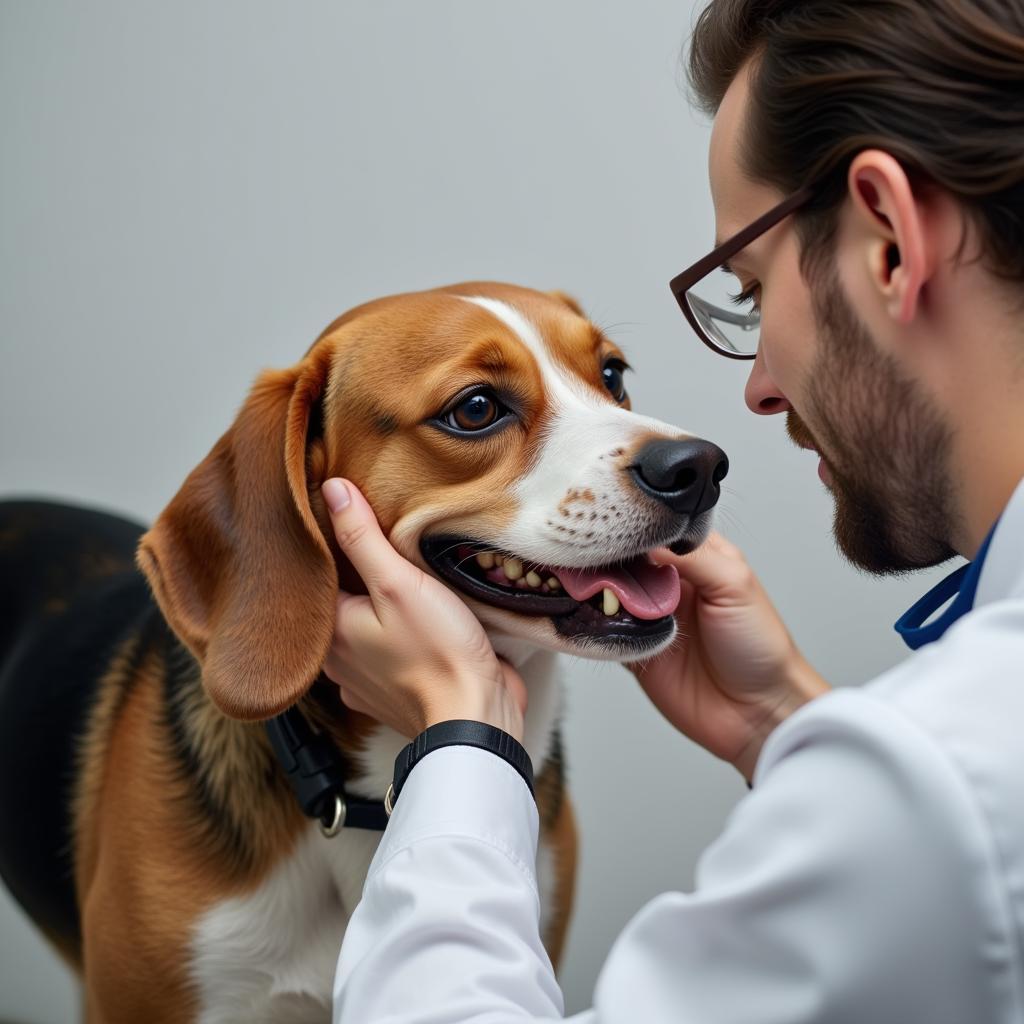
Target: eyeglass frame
[{"x": 693, "y": 275}]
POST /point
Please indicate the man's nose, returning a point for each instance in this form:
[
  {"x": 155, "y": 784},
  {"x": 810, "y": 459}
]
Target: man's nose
[
  {"x": 684, "y": 475},
  {"x": 762, "y": 394}
]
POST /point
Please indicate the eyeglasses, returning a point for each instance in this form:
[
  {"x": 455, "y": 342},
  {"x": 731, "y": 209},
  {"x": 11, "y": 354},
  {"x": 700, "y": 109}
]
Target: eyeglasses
[{"x": 727, "y": 322}]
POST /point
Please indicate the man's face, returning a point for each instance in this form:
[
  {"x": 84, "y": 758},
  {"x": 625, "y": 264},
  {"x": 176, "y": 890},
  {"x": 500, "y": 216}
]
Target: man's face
[{"x": 883, "y": 444}]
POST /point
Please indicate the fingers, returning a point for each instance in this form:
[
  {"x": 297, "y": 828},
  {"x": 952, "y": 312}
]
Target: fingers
[
  {"x": 355, "y": 622},
  {"x": 360, "y": 538},
  {"x": 716, "y": 565}
]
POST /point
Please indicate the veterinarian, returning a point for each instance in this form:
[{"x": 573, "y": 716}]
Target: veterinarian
[{"x": 876, "y": 871}]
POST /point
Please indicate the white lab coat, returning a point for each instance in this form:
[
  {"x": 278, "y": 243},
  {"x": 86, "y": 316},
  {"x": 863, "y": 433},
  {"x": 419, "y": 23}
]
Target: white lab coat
[{"x": 875, "y": 875}]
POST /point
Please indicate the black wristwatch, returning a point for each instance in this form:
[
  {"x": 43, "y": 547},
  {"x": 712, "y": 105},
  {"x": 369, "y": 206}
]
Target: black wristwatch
[{"x": 458, "y": 732}]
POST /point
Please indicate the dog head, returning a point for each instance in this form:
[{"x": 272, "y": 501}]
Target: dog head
[{"x": 489, "y": 428}]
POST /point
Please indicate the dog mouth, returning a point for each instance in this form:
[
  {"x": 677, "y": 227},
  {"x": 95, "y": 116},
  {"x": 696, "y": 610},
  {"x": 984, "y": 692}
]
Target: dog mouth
[{"x": 628, "y": 602}]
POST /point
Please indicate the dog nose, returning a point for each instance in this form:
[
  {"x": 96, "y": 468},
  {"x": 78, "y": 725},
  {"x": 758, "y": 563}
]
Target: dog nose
[{"x": 684, "y": 475}]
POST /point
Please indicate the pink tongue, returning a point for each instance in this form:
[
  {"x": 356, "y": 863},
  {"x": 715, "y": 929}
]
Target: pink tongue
[{"x": 646, "y": 591}]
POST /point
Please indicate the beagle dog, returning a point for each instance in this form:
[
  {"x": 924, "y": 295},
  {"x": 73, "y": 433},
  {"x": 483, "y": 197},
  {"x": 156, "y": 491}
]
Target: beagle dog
[{"x": 147, "y": 825}]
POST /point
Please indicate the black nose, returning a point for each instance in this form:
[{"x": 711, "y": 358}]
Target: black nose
[{"x": 684, "y": 475}]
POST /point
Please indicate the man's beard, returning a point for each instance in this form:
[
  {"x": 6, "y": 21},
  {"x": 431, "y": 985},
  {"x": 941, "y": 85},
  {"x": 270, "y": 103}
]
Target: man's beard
[{"x": 885, "y": 445}]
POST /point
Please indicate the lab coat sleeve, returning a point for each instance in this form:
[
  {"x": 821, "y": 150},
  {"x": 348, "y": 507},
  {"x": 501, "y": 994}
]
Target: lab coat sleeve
[
  {"x": 448, "y": 928},
  {"x": 855, "y": 883}
]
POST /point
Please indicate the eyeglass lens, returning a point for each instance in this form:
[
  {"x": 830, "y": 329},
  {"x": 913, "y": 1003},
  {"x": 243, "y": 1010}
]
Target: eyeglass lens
[{"x": 733, "y": 323}]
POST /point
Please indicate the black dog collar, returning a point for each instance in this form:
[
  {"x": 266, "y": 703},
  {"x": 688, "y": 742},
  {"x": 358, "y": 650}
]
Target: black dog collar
[{"x": 316, "y": 773}]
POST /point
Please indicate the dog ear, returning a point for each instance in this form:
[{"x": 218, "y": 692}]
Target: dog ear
[
  {"x": 569, "y": 301},
  {"x": 237, "y": 561}
]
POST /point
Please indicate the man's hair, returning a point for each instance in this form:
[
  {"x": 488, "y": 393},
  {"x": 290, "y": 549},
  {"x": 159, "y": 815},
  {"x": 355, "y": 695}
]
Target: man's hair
[{"x": 939, "y": 84}]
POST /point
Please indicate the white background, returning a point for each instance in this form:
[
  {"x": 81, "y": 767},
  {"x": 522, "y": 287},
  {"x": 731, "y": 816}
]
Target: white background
[{"x": 191, "y": 191}]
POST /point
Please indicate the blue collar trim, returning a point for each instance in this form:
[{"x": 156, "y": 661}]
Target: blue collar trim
[{"x": 962, "y": 582}]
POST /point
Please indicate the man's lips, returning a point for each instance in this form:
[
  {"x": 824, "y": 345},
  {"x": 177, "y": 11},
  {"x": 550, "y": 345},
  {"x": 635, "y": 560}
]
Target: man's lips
[{"x": 824, "y": 475}]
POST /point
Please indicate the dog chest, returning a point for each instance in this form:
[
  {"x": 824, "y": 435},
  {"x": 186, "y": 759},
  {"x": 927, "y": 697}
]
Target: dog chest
[{"x": 270, "y": 955}]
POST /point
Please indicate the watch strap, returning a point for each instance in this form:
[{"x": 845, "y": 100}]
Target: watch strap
[{"x": 459, "y": 732}]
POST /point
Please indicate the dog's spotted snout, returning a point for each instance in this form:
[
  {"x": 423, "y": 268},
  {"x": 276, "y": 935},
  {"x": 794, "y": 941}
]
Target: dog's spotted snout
[{"x": 684, "y": 475}]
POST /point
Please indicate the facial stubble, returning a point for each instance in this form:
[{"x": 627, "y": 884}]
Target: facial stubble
[{"x": 884, "y": 441}]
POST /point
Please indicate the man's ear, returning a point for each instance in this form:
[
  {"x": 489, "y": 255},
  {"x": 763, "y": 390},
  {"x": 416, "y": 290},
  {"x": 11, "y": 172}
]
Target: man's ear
[
  {"x": 900, "y": 260},
  {"x": 237, "y": 562}
]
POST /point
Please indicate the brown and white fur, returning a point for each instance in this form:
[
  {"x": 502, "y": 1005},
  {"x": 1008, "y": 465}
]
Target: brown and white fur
[{"x": 197, "y": 889}]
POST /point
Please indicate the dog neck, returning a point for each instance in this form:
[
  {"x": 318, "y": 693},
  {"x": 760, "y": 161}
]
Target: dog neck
[
  {"x": 539, "y": 669},
  {"x": 520, "y": 653}
]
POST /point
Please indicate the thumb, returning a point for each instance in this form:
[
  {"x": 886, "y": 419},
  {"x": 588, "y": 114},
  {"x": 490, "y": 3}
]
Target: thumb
[
  {"x": 716, "y": 568},
  {"x": 360, "y": 537}
]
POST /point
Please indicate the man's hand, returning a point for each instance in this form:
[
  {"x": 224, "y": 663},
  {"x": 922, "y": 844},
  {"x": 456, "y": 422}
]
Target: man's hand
[
  {"x": 410, "y": 653},
  {"x": 734, "y": 673}
]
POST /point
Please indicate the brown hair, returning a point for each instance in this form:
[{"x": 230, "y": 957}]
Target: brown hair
[{"x": 939, "y": 84}]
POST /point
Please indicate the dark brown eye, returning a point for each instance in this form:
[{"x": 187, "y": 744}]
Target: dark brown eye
[
  {"x": 474, "y": 412},
  {"x": 612, "y": 373}
]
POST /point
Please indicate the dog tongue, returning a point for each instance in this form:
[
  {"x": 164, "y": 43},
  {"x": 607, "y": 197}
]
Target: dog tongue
[{"x": 645, "y": 590}]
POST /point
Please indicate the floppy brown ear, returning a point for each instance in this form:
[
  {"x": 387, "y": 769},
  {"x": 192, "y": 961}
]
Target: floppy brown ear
[
  {"x": 569, "y": 301},
  {"x": 237, "y": 561}
]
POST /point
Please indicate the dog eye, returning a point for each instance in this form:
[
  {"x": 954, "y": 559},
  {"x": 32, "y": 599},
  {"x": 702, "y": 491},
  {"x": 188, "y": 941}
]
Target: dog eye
[
  {"x": 612, "y": 373},
  {"x": 474, "y": 412}
]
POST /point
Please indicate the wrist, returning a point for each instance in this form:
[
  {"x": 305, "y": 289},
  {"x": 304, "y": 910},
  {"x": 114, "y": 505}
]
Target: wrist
[
  {"x": 477, "y": 699},
  {"x": 801, "y": 684},
  {"x": 471, "y": 708}
]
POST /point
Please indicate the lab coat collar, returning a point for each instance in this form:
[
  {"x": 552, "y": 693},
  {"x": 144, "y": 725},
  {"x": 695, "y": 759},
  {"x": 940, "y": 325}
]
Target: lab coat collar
[
  {"x": 996, "y": 572},
  {"x": 1002, "y": 575}
]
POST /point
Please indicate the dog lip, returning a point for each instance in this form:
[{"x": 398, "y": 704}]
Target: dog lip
[
  {"x": 690, "y": 539},
  {"x": 523, "y": 602},
  {"x": 684, "y": 545},
  {"x": 587, "y": 628},
  {"x": 561, "y": 608}
]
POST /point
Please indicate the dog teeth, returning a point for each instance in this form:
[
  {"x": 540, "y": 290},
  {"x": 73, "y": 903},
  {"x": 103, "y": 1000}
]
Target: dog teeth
[
  {"x": 513, "y": 569},
  {"x": 521, "y": 578}
]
